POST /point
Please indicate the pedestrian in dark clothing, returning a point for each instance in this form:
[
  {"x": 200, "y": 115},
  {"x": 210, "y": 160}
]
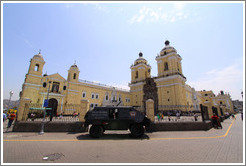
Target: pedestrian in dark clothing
[{"x": 11, "y": 119}]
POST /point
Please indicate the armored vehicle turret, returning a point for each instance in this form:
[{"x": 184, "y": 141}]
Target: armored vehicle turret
[{"x": 116, "y": 118}]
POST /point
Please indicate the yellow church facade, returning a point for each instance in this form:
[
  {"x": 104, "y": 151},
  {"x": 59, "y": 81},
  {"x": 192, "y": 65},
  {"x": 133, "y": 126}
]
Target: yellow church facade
[{"x": 168, "y": 89}]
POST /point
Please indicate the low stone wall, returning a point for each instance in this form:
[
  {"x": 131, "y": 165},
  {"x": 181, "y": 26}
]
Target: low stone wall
[
  {"x": 180, "y": 126},
  {"x": 23, "y": 126},
  {"x": 50, "y": 126}
]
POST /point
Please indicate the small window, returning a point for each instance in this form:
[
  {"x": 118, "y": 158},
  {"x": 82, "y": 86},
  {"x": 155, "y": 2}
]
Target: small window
[
  {"x": 221, "y": 102},
  {"x": 55, "y": 87},
  {"x": 206, "y": 94},
  {"x": 74, "y": 76},
  {"x": 97, "y": 96},
  {"x": 136, "y": 74},
  {"x": 92, "y": 105},
  {"x": 168, "y": 99},
  {"x": 83, "y": 94},
  {"x": 64, "y": 87},
  {"x": 92, "y": 95},
  {"x": 37, "y": 67},
  {"x": 165, "y": 66},
  {"x": 127, "y": 100},
  {"x": 167, "y": 91}
]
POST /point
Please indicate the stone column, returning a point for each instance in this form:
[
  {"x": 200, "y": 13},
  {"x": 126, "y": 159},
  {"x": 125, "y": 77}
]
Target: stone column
[
  {"x": 84, "y": 107},
  {"x": 21, "y": 109},
  {"x": 150, "y": 109}
]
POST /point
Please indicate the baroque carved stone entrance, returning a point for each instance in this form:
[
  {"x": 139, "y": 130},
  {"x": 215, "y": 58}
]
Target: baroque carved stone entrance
[{"x": 150, "y": 92}]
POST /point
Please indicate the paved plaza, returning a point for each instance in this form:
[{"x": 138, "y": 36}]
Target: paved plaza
[{"x": 212, "y": 146}]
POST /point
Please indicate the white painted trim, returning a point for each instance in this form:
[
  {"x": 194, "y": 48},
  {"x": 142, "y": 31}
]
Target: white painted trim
[
  {"x": 167, "y": 55},
  {"x": 172, "y": 57},
  {"x": 159, "y": 86},
  {"x": 35, "y": 75},
  {"x": 54, "y": 79},
  {"x": 32, "y": 84},
  {"x": 37, "y": 59},
  {"x": 72, "y": 90},
  {"x": 140, "y": 64},
  {"x": 136, "y": 84},
  {"x": 137, "y": 90},
  {"x": 141, "y": 68},
  {"x": 26, "y": 87},
  {"x": 53, "y": 94},
  {"x": 169, "y": 77}
]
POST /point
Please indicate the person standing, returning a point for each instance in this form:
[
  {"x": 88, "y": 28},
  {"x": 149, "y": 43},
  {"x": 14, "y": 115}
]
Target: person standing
[
  {"x": 195, "y": 116},
  {"x": 11, "y": 119},
  {"x": 242, "y": 115},
  {"x": 4, "y": 117}
]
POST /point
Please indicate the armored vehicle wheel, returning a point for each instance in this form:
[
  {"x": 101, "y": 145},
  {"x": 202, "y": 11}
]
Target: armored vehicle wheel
[
  {"x": 137, "y": 130},
  {"x": 96, "y": 131}
]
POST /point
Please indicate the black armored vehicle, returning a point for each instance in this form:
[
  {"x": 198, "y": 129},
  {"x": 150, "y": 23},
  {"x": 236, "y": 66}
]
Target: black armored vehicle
[{"x": 116, "y": 118}]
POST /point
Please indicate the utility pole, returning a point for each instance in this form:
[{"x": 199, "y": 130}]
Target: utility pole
[{"x": 42, "y": 125}]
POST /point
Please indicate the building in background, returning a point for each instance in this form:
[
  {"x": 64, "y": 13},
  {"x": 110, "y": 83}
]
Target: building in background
[
  {"x": 168, "y": 89},
  {"x": 238, "y": 105}
]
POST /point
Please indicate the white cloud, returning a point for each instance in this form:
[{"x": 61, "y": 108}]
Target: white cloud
[
  {"x": 159, "y": 14},
  {"x": 179, "y": 5},
  {"x": 100, "y": 7},
  {"x": 23, "y": 37},
  {"x": 123, "y": 85},
  {"x": 229, "y": 79}
]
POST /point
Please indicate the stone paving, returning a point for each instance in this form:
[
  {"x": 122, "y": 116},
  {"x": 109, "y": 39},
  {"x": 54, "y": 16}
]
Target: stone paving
[{"x": 213, "y": 146}]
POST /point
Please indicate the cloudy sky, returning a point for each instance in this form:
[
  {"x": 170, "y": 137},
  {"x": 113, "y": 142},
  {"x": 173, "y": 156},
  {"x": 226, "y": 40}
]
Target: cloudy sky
[{"x": 105, "y": 38}]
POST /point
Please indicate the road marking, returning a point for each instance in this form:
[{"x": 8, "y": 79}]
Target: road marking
[{"x": 9, "y": 140}]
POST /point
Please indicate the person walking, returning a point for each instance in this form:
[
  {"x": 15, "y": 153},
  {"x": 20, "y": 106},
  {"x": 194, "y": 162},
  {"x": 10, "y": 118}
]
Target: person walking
[
  {"x": 158, "y": 117},
  {"x": 11, "y": 119}
]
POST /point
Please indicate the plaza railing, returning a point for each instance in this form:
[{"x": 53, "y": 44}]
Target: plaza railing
[{"x": 66, "y": 112}]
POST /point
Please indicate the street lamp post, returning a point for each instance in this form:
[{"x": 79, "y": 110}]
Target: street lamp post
[
  {"x": 42, "y": 125},
  {"x": 11, "y": 94}
]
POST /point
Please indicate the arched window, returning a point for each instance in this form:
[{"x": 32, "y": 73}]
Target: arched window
[
  {"x": 165, "y": 66},
  {"x": 37, "y": 67},
  {"x": 106, "y": 96},
  {"x": 74, "y": 76},
  {"x": 136, "y": 74}
]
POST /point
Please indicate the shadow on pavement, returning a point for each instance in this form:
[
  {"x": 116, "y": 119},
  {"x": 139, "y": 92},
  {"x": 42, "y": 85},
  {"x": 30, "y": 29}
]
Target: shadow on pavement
[{"x": 112, "y": 137}]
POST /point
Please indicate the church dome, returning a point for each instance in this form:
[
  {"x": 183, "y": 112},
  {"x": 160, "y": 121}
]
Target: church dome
[
  {"x": 38, "y": 57},
  {"x": 140, "y": 59},
  {"x": 167, "y": 49},
  {"x": 74, "y": 67}
]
